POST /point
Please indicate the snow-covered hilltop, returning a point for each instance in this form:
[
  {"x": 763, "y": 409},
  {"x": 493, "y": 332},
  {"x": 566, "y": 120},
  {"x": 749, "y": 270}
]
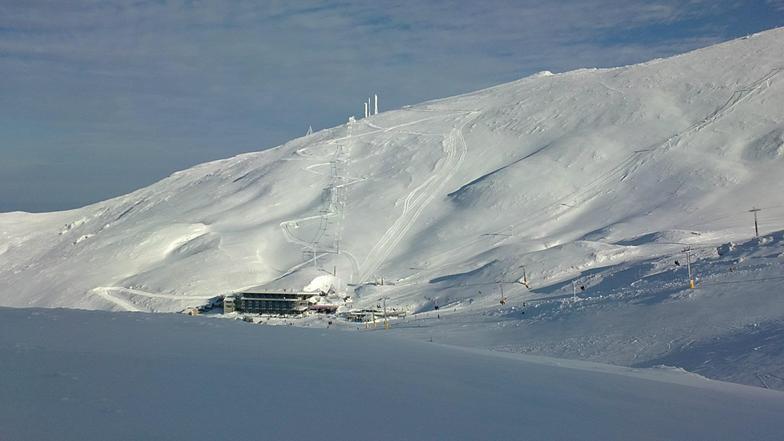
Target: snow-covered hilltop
[{"x": 590, "y": 176}]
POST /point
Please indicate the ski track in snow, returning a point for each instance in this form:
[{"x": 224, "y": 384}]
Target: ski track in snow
[
  {"x": 122, "y": 303},
  {"x": 323, "y": 218},
  {"x": 413, "y": 205},
  {"x": 104, "y": 292},
  {"x": 622, "y": 170},
  {"x": 417, "y": 200},
  {"x": 137, "y": 292}
]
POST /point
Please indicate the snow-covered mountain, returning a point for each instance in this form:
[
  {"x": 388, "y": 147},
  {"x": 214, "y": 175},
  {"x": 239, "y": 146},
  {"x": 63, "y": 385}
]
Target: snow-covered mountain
[
  {"x": 591, "y": 175},
  {"x": 552, "y": 171}
]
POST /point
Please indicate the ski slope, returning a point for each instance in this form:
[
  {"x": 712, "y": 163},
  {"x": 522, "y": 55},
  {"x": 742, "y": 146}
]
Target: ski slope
[
  {"x": 639, "y": 313},
  {"x": 599, "y": 177},
  {"x": 96, "y": 376}
]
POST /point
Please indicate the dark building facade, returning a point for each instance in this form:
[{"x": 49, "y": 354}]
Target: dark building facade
[{"x": 268, "y": 302}]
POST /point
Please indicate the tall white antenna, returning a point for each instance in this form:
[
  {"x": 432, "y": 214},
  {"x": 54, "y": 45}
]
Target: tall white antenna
[
  {"x": 366, "y": 110},
  {"x": 375, "y": 104}
]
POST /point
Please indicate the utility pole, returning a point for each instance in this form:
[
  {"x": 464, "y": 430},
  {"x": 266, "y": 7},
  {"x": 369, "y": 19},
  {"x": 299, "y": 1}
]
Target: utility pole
[
  {"x": 384, "y": 303},
  {"x": 688, "y": 266},
  {"x": 375, "y": 104},
  {"x": 755, "y": 210},
  {"x": 386, "y": 320}
]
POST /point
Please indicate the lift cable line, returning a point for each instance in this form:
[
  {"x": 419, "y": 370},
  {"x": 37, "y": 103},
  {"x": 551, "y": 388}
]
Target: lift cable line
[{"x": 732, "y": 282}]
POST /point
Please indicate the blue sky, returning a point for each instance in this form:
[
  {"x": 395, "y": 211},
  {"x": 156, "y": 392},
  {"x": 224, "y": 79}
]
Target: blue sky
[{"x": 101, "y": 97}]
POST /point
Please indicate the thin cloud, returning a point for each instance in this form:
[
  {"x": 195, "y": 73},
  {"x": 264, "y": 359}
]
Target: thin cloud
[{"x": 776, "y": 4}]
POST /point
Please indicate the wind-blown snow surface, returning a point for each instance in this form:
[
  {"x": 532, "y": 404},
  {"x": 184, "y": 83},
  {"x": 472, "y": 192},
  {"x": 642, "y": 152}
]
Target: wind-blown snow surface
[
  {"x": 590, "y": 175},
  {"x": 87, "y": 375}
]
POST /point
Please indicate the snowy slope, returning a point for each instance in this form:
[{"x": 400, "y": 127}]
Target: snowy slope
[
  {"x": 643, "y": 314},
  {"x": 584, "y": 173},
  {"x": 86, "y": 375}
]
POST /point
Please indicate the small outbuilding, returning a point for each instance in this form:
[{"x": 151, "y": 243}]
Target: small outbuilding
[
  {"x": 191, "y": 311},
  {"x": 324, "y": 309}
]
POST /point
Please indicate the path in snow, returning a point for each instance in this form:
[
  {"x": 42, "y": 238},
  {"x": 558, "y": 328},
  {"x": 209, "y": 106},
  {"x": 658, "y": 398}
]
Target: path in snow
[
  {"x": 621, "y": 171},
  {"x": 122, "y": 303},
  {"x": 418, "y": 199},
  {"x": 113, "y": 294},
  {"x": 413, "y": 205},
  {"x": 337, "y": 202}
]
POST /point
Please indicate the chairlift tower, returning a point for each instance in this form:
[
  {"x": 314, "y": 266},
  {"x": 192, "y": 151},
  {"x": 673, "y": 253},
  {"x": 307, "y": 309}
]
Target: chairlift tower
[
  {"x": 755, "y": 210},
  {"x": 687, "y": 250},
  {"x": 334, "y": 196},
  {"x": 340, "y": 182}
]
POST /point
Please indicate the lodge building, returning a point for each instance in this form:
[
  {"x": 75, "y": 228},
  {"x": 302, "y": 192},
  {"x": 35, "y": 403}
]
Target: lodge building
[{"x": 277, "y": 302}]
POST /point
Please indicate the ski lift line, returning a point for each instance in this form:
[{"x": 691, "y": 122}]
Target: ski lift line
[
  {"x": 699, "y": 285},
  {"x": 732, "y": 282},
  {"x": 771, "y": 226},
  {"x": 335, "y": 202},
  {"x": 737, "y": 213},
  {"x": 470, "y": 285},
  {"x": 693, "y": 246}
]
